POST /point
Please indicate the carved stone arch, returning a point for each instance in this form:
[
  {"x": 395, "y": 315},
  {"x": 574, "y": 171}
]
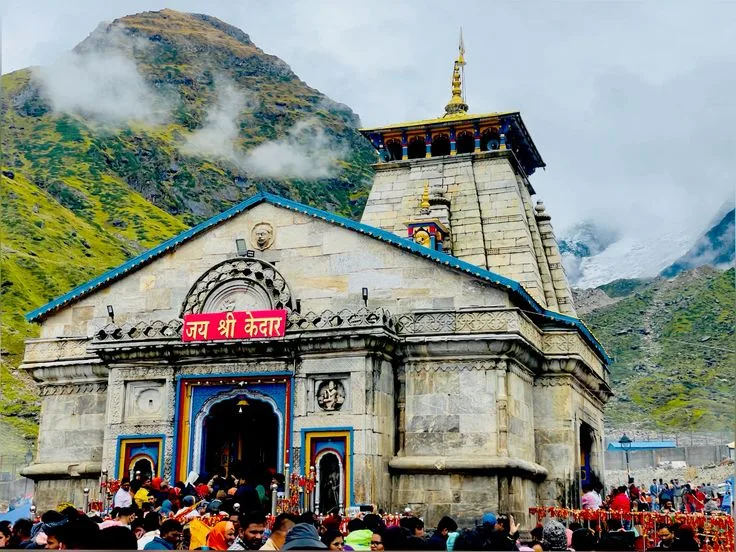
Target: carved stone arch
[{"x": 251, "y": 282}]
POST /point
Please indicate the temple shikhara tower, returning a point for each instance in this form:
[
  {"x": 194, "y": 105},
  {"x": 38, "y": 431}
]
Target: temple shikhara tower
[
  {"x": 479, "y": 208},
  {"x": 427, "y": 356}
]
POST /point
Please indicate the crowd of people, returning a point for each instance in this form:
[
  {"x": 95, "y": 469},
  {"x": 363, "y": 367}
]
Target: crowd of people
[
  {"x": 661, "y": 497},
  {"x": 129, "y": 528},
  {"x": 226, "y": 513}
]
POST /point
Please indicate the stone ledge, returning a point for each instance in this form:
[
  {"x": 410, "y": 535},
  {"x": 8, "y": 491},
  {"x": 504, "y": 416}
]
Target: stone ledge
[
  {"x": 61, "y": 470},
  {"x": 434, "y": 464}
]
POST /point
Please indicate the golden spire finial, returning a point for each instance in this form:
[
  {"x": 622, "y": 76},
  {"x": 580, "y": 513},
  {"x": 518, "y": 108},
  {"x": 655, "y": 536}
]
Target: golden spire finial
[
  {"x": 457, "y": 105},
  {"x": 425, "y": 197}
]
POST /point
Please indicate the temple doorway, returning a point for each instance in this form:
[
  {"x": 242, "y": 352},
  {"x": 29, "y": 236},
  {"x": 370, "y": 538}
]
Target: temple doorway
[
  {"x": 241, "y": 435},
  {"x": 329, "y": 477},
  {"x": 588, "y": 475},
  {"x": 142, "y": 469}
]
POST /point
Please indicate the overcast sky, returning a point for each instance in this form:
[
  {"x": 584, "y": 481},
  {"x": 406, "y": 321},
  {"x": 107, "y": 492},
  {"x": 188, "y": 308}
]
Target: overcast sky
[{"x": 632, "y": 105}]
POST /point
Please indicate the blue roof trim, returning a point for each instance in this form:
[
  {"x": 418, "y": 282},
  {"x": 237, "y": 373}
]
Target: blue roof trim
[
  {"x": 643, "y": 445},
  {"x": 135, "y": 262},
  {"x": 383, "y": 235}
]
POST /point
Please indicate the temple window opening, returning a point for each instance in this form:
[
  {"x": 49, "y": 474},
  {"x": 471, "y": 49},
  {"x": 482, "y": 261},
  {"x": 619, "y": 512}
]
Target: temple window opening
[
  {"x": 440, "y": 145},
  {"x": 393, "y": 147},
  {"x": 465, "y": 142},
  {"x": 416, "y": 148}
]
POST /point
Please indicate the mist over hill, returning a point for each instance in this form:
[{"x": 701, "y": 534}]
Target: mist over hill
[{"x": 153, "y": 123}]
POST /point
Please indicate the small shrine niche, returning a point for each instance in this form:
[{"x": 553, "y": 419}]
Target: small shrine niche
[
  {"x": 427, "y": 229},
  {"x": 429, "y": 233}
]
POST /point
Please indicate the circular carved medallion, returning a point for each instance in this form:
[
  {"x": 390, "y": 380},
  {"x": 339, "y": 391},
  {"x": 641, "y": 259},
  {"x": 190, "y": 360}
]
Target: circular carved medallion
[
  {"x": 331, "y": 395},
  {"x": 148, "y": 401}
]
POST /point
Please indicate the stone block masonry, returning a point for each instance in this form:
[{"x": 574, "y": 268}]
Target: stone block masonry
[{"x": 492, "y": 219}]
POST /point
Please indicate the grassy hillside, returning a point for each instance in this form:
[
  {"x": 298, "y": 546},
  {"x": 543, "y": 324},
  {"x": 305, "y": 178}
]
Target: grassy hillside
[
  {"x": 672, "y": 341},
  {"x": 81, "y": 193}
]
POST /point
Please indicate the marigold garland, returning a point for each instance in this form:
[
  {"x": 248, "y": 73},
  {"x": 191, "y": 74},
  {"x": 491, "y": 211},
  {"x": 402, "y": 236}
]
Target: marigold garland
[{"x": 715, "y": 531}]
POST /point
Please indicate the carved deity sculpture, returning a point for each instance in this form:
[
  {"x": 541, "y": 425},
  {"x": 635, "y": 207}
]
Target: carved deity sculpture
[
  {"x": 331, "y": 395},
  {"x": 262, "y": 235},
  {"x": 422, "y": 238}
]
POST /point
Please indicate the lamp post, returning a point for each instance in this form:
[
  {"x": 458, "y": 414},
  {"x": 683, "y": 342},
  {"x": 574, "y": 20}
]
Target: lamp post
[{"x": 625, "y": 443}]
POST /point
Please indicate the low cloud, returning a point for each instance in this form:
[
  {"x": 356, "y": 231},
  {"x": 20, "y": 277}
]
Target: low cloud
[
  {"x": 306, "y": 151},
  {"x": 217, "y": 139},
  {"x": 102, "y": 85}
]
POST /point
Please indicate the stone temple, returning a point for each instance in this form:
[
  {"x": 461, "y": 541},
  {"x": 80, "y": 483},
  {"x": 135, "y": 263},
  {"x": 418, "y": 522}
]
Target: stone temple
[{"x": 432, "y": 356}]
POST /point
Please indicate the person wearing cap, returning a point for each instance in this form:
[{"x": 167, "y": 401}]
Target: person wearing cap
[
  {"x": 554, "y": 536},
  {"x": 187, "y": 510},
  {"x": 303, "y": 536},
  {"x": 213, "y": 508}
]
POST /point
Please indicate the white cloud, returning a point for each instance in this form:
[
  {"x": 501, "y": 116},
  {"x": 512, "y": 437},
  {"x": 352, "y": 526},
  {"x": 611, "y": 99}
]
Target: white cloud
[
  {"x": 105, "y": 86},
  {"x": 631, "y": 105},
  {"x": 217, "y": 139},
  {"x": 305, "y": 151}
]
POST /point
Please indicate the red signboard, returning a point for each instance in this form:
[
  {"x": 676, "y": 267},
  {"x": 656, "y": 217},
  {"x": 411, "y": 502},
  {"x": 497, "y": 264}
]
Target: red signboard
[{"x": 220, "y": 326}]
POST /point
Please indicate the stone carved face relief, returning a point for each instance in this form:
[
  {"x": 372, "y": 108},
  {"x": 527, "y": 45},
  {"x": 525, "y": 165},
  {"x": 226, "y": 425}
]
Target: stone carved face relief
[
  {"x": 262, "y": 235},
  {"x": 330, "y": 395}
]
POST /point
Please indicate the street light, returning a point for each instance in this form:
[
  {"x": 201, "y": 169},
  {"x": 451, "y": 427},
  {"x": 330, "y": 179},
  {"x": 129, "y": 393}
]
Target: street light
[{"x": 625, "y": 443}]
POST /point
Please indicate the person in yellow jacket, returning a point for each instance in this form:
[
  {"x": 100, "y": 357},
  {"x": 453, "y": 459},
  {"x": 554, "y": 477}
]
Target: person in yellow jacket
[{"x": 143, "y": 495}]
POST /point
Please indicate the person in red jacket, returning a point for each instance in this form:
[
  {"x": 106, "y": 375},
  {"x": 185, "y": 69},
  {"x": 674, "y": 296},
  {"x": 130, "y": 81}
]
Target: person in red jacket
[
  {"x": 700, "y": 499},
  {"x": 620, "y": 501}
]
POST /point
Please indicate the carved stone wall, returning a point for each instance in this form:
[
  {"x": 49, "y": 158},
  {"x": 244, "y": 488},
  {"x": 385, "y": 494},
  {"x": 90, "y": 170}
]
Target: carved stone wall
[
  {"x": 238, "y": 284},
  {"x": 127, "y": 385},
  {"x": 368, "y": 409},
  {"x": 561, "y": 403},
  {"x": 480, "y": 396},
  {"x": 464, "y": 496},
  {"x": 451, "y": 408}
]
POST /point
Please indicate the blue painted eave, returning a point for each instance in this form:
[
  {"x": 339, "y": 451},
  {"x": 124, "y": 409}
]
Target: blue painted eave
[{"x": 442, "y": 258}]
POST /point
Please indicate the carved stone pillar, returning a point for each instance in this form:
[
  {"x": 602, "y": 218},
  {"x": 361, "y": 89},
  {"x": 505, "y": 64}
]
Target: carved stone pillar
[
  {"x": 400, "y": 410},
  {"x": 502, "y": 408}
]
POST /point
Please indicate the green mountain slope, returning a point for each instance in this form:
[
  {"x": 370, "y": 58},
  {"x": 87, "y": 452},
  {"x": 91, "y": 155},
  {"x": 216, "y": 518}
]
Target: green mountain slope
[
  {"x": 672, "y": 341},
  {"x": 155, "y": 122}
]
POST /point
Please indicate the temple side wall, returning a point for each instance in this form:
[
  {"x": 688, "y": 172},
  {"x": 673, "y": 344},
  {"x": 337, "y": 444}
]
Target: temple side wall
[
  {"x": 470, "y": 422},
  {"x": 71, "y": 427},
  {"x": 465, "y": 497},
  {"x": 369, "y": 412},
  {"x": 49, "y": 493},
  {"x": 560, "y": 406}
]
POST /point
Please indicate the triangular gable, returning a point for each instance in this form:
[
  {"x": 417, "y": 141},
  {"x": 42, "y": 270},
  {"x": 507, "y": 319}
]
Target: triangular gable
[{"x": 513, "y": 287}]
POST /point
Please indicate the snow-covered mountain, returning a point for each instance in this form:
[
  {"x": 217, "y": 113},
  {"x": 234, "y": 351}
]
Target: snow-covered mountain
[
  {"x": 715, "y": 248},
  {"x": 594, "y": 254}
]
